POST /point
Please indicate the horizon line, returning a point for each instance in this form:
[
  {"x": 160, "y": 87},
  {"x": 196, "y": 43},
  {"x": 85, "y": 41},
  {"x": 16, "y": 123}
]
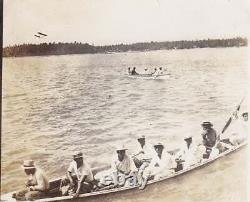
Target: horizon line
[{"x": 120, "y": 43}]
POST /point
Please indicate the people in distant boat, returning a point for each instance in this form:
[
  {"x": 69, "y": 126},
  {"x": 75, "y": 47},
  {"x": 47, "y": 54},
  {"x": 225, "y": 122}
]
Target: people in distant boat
[
  {"x": 37, "y": 184},
  {"x": 154, "y": 71},
  {"x": 209, "y": 136},
  {"x": 188, "y": 153},
  {"x": 163, "y": 164},
  {"x": 133, "y": 72},
  {"x": 79, "y": 176},
  {"x": 146, "y": 71},
  {"x": 161, "y": 71},
  {"x": 123, "y": 171},
  {"x": 129, "y": 71},
  {"x": 143, "y": 156}
]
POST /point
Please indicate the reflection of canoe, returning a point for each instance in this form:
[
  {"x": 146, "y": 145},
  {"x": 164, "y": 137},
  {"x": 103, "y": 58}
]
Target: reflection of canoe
[
  {"x": 118, "y": 192},
  {"x": 149, "y": 76}
]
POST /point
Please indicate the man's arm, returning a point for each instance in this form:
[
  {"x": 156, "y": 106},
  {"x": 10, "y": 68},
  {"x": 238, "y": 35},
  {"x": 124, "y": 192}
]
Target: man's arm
[
  {"x": 41, "y": 184},
  {"x": 115, "y": 178},
  {"x": 79, "y": 185},
  {"x": 69, "y": 176}
]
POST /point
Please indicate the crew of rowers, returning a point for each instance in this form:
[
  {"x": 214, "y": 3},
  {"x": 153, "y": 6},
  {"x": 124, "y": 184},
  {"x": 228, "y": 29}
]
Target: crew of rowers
[
  {"x": 150, "y": 161},
  {"x": 155, "y": 72}
]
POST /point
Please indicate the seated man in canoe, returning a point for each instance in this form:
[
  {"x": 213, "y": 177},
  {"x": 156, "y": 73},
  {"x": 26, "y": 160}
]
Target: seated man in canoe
[
  {"x": 209, "y": 137},
  {"x": 79, "y": 177},
  {"x": 133, "y": 72},
  {"x": 143, "y": 156},
  {"x": 189, "y": 153},
  {"x": 37, "y": 184},
  {"x": 238, "y": 130},
  {"x": 163, "y": 164},
  {"x": 123, "y": 171},
  {"x": 154, "y": 71},
  {"x": 129, "y": 71},
  {"x": 219, "y": 148},
  {"x": 158, "y": 72},
  {"x": 161, "y": 72}
]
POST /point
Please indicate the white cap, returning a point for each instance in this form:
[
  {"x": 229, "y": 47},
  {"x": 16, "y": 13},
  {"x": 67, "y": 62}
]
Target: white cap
[
  {"x": 188, "y": 137},
  {"x": 120, "y": 148},
  {"x": 140, "y": 137}
]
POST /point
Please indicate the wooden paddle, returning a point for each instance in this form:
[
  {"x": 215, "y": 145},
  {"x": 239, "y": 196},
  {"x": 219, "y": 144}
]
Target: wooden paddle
[{"x": 231, "y": 118}]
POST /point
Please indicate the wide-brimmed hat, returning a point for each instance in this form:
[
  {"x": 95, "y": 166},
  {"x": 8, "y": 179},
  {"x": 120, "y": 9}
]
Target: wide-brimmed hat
[
  {"x": 140, "y": 137},
  {"x": 188, "y": 137},
  {"x": 207, "y": 123},
  {"x": 158, "y": 145},
  {"x": 121, "y": 148},
  {"x": 28, "y": 164},
  {"x": 78, "y": 155}
]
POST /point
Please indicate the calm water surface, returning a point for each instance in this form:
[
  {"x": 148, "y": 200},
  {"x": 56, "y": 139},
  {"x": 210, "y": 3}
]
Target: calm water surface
[{"x": 53, "y": 106}]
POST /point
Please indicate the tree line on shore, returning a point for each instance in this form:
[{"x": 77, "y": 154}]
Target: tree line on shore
[{"x": 84, "y": 48}]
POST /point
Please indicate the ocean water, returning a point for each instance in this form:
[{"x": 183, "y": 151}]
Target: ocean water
[{"x": 55, "y": 105}]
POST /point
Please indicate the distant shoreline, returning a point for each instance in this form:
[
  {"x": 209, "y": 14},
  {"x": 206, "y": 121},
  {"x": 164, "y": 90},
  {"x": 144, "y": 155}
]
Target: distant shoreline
[{"x": 47, "y": 49}]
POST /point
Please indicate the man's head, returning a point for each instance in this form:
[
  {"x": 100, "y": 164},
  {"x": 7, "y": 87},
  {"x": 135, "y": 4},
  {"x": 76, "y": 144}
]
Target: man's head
[
  {"x": 160, "y": 68},
  {"x": 188, "y": 139},
  {"x": 78, "y": 158},
  {"x": 206, "y": 125},
  {"x": 29, "y": 167},
  {"x": 121, "y": 151},
  {"x": 245, "y": 116},
  {"x": 134, "y": 68},
  {"x": 159, "y": 148},
  {"x": 141, "y": 140}
]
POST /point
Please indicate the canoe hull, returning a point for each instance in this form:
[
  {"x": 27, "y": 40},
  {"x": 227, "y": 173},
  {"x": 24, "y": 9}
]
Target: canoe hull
[
  {"x": 156, "y": 77},
  {"x": 153, "y": 187}
]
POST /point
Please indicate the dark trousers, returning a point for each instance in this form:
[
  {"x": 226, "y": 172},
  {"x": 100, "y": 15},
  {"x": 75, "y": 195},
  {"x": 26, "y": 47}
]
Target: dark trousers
[
  {"x": 86, "y": 187},
  {"x": 27, "y": 195}
]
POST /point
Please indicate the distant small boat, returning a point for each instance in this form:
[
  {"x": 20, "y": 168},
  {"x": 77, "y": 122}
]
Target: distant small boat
[{"x": 149, "y": 76}]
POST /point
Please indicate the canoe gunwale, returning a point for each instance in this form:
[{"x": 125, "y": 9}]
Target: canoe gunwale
[{"x": 148, "y": 76}]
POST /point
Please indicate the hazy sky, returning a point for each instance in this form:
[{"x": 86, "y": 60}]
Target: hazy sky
[{"x": 123, "y": 21}]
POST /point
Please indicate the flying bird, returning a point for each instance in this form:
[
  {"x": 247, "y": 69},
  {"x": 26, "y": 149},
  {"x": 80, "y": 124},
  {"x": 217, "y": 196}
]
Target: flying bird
[
  {"x": 37, "y": 36},
  {"x": 42, "y": 34}
]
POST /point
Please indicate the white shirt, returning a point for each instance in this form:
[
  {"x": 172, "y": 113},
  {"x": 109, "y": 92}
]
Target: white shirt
[
  {"x": 165, "y": 162},
  {"x": 238, "y": 128},
  {"x": 215, "y": 152},
  {"x": 148, "y": 151},
  {"x": 125, "y": 166},
  {"x": 82, "y": 170},
  {"x": 39, "y": 180},
  {"x": 188, "y": 154}
]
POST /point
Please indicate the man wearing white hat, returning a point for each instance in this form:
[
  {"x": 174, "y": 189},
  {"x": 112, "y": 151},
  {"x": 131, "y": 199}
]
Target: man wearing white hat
[
  {"x": 79, "y": 175},
  {"x": 37, "y": 184},
  {"x": 188, "y": 153},
  {"x": 144, "y": 150},
  {"x": 239, "y": 129},
  {"x": 162, "y": 165},
  {"x": 122, "y": 167},
  {"x": 143, "y": 155}
]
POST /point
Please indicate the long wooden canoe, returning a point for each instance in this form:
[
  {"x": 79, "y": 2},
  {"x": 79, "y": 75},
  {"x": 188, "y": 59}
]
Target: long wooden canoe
[{"x": 99, "y": 195}]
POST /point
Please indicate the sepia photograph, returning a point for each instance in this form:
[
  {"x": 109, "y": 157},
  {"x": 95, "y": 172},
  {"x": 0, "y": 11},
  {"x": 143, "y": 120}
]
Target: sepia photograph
[{"x": 125, "y": 100}]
